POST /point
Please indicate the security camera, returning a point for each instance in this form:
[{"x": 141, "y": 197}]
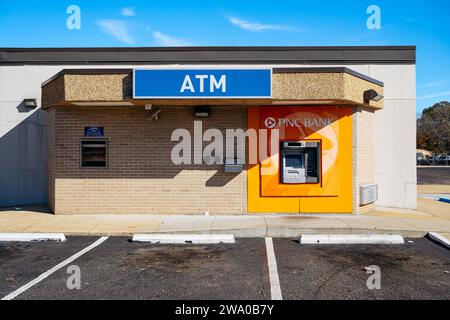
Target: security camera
[{"x": 153, "y": 115}]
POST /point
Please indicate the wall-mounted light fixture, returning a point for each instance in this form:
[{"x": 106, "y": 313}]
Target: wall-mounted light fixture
[
  {"x": 201, "y": 112},
  {"x": 372, "y": 95},
  {"x": 30, "y": 103}
]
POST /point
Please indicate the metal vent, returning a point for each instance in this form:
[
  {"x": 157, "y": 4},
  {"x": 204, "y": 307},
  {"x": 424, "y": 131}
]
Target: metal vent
[{"x": 368, "y": 193}]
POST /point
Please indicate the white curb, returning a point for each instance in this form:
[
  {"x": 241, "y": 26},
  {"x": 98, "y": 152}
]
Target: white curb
[
  {"x": 439, "y": 238},
  {"x": 27, "y": 237},
  {"x": 184, "y": 238},
  {"x": 351, "y": 239}
]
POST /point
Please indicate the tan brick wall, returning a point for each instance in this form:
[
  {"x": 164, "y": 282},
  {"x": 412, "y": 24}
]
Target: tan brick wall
[
  {"x": 363, "y": 152},
  {"x": 51, "y": 158},
  {"x": 366, "y": 146},
  {"x": 355, "y": 160},
  {"x": 140, "y": 177}
]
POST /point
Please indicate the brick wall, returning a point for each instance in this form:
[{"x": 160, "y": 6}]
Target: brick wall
[
  {"x": 363, "y": 152},
  {"x": 140, "y": 177},
  {"x": 51, "y": 158}
]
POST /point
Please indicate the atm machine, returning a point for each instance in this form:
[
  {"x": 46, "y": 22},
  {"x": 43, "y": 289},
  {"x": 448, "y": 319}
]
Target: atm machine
[{"x": 300, "y": 162}]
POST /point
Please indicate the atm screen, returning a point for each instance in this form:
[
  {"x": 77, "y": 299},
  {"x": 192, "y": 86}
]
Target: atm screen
[{"x": 294, "y": 161}]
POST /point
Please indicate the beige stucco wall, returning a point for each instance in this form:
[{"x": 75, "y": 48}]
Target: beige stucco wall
[
  {"x": 327, "y": 87},
  {"x": 395, "y": 137},
  {"x": 323, "y": 86}
]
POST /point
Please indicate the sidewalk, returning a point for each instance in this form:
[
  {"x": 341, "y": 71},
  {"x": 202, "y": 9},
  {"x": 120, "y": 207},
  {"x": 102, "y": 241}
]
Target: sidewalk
[{"x": 430, "y": 216}]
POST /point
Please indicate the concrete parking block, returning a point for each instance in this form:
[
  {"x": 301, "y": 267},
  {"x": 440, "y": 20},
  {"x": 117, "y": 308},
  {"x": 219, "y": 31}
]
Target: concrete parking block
[
  {"x": 440, "y": 239},
  {"x": 184, "y": 238},
  {"x": 30, "y": 237},
  {"x": 351, "y": 239}
]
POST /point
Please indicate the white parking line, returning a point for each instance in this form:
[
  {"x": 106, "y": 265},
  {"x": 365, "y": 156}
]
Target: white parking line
[
  {"x": 275, "y": 288},
  {"x": 54, "y": 269}
]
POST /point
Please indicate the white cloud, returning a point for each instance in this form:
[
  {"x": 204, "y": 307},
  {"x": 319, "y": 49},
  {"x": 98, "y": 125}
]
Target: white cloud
[
  {"x": 255, "y": 26},
  {"x": 117, "y": 28},
  {"x": 166, "y": 40},
  {"x": 430, "y": 84},
  {"x": 434, "y": 95},
  {"x": 128, "y": 12}
]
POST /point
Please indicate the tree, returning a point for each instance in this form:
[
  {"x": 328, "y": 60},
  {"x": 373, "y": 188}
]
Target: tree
[{"x": 433, "y": 128}]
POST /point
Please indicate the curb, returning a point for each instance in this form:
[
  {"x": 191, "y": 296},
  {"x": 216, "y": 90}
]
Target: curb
[
  {"x": 350, "y": 239},
  {"x": 439, "y": 239},
  {"x": 273, "y": 232},
  {"x": 437, "y": 197},
  {"x": 184, "y": 238},
  {"x": 28, "y": 237}
]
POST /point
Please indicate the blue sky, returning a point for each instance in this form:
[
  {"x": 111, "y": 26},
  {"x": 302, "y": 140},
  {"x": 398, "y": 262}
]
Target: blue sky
[{"x": 40, "y": 23}]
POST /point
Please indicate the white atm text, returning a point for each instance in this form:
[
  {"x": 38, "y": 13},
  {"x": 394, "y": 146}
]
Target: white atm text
[{"x": 200, "y": 81}]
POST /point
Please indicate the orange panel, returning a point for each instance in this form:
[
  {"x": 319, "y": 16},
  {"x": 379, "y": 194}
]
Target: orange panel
[{"x": 332, "y": 126}]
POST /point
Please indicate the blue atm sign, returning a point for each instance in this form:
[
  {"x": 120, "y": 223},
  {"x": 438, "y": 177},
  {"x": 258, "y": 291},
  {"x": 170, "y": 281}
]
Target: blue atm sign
[{"x": 202, "y": 83}]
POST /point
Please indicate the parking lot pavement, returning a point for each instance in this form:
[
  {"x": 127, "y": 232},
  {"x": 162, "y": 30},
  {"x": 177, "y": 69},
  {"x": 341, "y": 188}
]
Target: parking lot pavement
[
  {"x": 433, "y": 175},
  {"x": 21, "y": 262},
  {"x": 415, "y": 270},
  {"x": 119, "y": 269}
]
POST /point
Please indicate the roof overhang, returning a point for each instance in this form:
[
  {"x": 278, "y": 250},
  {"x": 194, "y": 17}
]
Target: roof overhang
[
  {"x": 284, "y": 55},
  {"x": 290, "y": 86}
]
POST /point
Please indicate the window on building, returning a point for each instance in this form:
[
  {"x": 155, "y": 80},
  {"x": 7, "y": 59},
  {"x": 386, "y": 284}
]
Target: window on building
[{"x": 94, "y": 153}]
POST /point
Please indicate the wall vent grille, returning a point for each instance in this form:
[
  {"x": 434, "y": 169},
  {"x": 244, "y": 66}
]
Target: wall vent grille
[{"x": 368, "y": 193}]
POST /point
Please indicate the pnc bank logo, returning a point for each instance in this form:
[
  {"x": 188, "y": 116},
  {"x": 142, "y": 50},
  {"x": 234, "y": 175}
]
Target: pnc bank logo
[{"x": 270, "y": 122}]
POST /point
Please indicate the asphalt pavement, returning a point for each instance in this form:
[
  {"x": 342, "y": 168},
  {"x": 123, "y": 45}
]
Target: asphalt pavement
[
  {"x": 433, "y": 175},
  {"x": 120, "y": 269}
]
